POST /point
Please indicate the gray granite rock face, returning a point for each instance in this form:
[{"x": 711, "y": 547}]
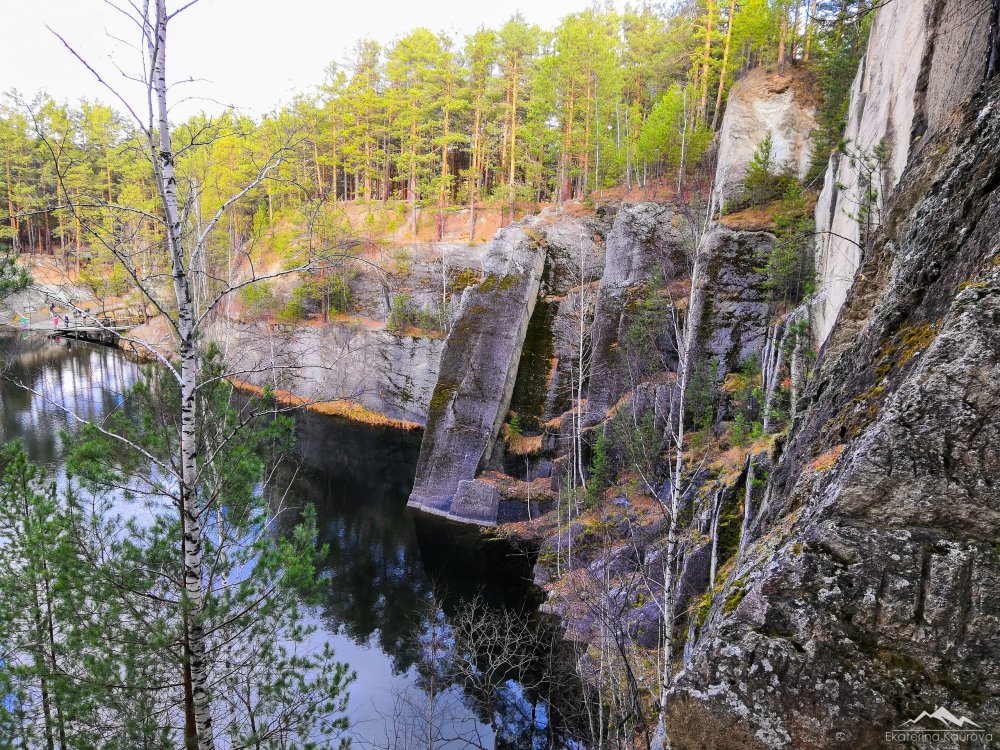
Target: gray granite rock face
[
  {"x": 645, "y": 237},
  {"x": 922, "y": 60},
  {"x": 574, "y": 250},
  {"x": 478, "y": 370},
  {"x": 389, "y": 373},
  {"x": 476, "y": 501},
  {"x": 736, "y": 308},
  {"x": 871, "y": 591}
]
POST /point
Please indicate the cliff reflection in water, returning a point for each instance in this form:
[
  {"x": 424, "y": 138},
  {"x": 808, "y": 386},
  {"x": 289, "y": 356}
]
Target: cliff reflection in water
[
  {"x": 385, "y": 560},
  {"x": 62, "y": 377}
]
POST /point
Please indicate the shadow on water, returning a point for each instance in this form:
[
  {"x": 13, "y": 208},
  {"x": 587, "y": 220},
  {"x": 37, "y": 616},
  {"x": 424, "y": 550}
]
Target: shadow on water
[
  {"x": 385, "y": 559},
  {"x": 386, "y": 563}
]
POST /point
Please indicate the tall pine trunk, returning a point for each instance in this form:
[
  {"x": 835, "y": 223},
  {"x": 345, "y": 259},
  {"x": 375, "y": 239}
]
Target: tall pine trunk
[
  {"x": 725, "y": 65},
  {"x": 513, "y": 141},
  {"x": 703, "y": 108},
  {"x": 474, "y": 173}
]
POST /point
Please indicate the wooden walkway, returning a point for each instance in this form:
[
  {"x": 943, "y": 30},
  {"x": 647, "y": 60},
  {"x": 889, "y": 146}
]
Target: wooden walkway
[{"x": 99, "y": 329}]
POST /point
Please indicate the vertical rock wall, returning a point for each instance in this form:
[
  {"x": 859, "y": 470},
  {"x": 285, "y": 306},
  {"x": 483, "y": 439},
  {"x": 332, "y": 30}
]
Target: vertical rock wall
[
  {"x": 477, "y": 374},
  {"x": 390, "y": 373},
  {"x": 924, "y": 57},
  {"x": 643, "y": 235},
  {"x": 869, "y": 589}
]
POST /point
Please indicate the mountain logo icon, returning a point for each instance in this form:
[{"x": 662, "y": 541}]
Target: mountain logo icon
[
  {"x": 940, "y": 726},
  {"x": 945, "y": 718}
]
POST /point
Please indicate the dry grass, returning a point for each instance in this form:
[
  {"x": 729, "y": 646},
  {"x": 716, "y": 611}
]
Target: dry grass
[
  {"x": 335, "y": 408},
  {"x": 762, "y": 218},
  {"x": 521, "y": 445},
  {"x": 753, "y": 219}
]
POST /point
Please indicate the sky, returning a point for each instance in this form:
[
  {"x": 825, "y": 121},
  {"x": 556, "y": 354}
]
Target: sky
[{"x": 252, "y": 54}]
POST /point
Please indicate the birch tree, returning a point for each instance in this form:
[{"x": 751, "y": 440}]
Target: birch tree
[{"x": 190, "y": 304}]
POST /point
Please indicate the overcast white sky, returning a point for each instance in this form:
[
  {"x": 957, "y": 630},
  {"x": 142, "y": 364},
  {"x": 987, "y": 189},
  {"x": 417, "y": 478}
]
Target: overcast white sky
[{"x": 254, "y": 54}]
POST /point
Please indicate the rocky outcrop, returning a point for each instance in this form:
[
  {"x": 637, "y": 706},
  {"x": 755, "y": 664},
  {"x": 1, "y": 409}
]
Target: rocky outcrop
[
  {"x": 870, "y": 590},
  {"x": 765, "y": 102},
  {"x": 645, "y": 238},
  {"x": 389, "y": 373},
  {"x": 736, "y": 307},
  {"x": 478, "y": 370},
  {"x": 924, "y": 57}
]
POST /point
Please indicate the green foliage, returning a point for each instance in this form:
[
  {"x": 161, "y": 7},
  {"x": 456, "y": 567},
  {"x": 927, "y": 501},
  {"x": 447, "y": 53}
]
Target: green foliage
[
  {"x": 636, "y": 442},
  {"x": 328, "y": 295},
  {"x": 836, "y": 58},
  {"x": 668, "y": 128},
  {"x": 649, "y": 325},
  {"x": 258, "y": 297},
  {"x": 747, "y": 401},
  {"x": 92, "y": 592},
  {"x": 703, "y": 395},
  {"x": 14, "y": 277},
  {"x": 515, "y": 425},
  {"x": 739, "y": 433},
  {"x": 870, "y": 167},
  {"x": 790, "y": 267},
  {"x": 602, "y": 471},
  {"x": 404, "y": 313},
  {"x": 766, "y": 180}
]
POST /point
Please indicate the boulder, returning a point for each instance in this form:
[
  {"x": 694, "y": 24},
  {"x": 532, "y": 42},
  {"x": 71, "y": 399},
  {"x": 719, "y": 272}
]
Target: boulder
[
  {"x": 476, "y": 501},
  {"x": 478, "y": 370},
  {"x": 763, "y": 102}
]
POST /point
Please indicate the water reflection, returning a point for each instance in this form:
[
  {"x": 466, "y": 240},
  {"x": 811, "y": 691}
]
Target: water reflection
[
  {"x": 385, "y": 563},
  {"x": 60, "y": 377}
]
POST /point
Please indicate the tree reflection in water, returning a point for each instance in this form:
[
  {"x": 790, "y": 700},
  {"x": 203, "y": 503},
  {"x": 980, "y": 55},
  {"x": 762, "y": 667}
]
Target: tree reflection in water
[{"x": 392, "y": 573}]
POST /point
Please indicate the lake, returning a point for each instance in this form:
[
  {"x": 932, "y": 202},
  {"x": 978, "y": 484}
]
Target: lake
[{"x": 388, "y": 566}]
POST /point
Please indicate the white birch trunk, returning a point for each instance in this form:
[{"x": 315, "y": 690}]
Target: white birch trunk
[
  {"x": 686, "y": 345},
  {"x": 193, "y": 563}
]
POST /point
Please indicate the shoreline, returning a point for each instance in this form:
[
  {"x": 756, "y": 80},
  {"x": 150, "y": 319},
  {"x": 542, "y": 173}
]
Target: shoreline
[{"x": 344, "y": 408}]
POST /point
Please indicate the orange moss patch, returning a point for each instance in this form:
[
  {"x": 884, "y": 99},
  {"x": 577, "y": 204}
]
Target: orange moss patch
[
  {"x": 826, "y": 460},
  {"x": 418, "y": 333},
  {"x": 539, "y": 488},
  {"x": 553, "y": 424},
  {"x": 521, "y": 445},
  {"x": 727, "y": 464},
  {"x": 753, "y": 219},
  {"x": 337, "y": 408}
]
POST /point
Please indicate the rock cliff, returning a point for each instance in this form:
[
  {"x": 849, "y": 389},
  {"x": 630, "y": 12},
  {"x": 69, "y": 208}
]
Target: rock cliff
[
  {"x": 831, "y": 577},
  {"x": 478, "y": 370},
  {"x": 924, "y": 57},
  {"x": 644, "y": 238},
  {"x": 392, "y": 374},
  {"x": 765, "y": 102},
  {"x": 870, "y": 592},
  {"x": 481, "y": 362},
  {"x": 857, "y": 578}
]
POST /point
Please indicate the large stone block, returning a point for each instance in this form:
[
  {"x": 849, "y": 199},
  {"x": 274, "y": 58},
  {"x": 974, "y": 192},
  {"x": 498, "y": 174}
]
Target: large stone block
[{"x": 478, "y": 370}]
